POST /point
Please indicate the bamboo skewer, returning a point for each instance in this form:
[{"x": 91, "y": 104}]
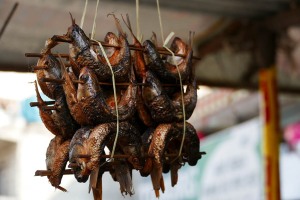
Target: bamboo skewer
[
  {"x": 48, "y": 172},
  {"x": 61, "y": 81},
  {"x": 48, "y": 108},
  {"x": 53, "y": 80},
  {"x": 107, "y": 165},
  {"x": 161, "y": 50},
  {"x": 34, "y": 104},
  {"x": 200, "y": 154},
  {"x": 39, "y": 67},
  {"x": 63, "y": 55}
]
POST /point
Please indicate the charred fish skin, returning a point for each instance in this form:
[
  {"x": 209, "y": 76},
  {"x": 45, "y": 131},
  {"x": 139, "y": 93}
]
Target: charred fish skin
[
  {"x": 46, "y": 115},
  {"x": 161, "y": 138},
  {"x": 120, "y": 59},
  {"x": 56, "y": 160},
  {"x": 91, "y": 141},
  {"x": 71, "y": 97},
  {"x": 189, "y": 99},
  {"x": 78, "y": 147},
  {"x": 94, "y": 105},
  {"x": 52, "y": 70},
  {"x": 156, "y": 149},
  {"x": 139, "y": 63},
  {"x": 104, "y": 133},
  {"x": 158, "y": 103},
  {"x": 63, "y": 119},
  {"x": 166, "y": 70},
  {"x": 146, "y": 140},
  {"x": 122, "y": 173},
  {"x": 58, "y": 121},
  {"x": 142, "y": 110},
  {"x": 85, "y": 55},
  {"x": 191, "y": 143},
  {"x": 156, "y": 63},
  {"x": 184, "y": 64}
]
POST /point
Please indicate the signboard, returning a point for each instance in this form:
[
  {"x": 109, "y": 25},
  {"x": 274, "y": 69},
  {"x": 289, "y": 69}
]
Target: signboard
[{"x": 231, "y": 170}]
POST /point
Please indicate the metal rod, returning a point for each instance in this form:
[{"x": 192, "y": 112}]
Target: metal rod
[
  {"x": 34, "y": 104},
  {"x": 8, "y": 18}
]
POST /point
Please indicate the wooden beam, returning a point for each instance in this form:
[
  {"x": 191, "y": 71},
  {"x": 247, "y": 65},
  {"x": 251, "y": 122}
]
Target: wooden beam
[
  {"x": 283, "y": 20},
  {"x": 244, "y": 85}
]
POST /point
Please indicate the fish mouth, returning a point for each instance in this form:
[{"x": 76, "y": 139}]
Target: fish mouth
[{"x": 81, "y": 172}]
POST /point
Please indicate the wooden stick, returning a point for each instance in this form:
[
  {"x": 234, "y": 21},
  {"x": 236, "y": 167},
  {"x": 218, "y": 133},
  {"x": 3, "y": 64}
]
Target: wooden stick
[
  {"x": 59, "y": 81},
  {"x": 160, "y": 50},
  {"x": 131, "y": 47},
  {"x": 48, "y": 172},
  {"x": 39, "y": 67},
  {"x": 106, "y": 168},
  {"x": 78, "y": 81},
  {"x": 34, "y": 104},
  {"x": 63, "y": 55},
  {"x": 200, "y": 154},
  {"x": 46, "y": 108}
]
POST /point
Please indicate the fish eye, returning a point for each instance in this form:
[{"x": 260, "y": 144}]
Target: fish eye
[{"x": 84, "y": 77}]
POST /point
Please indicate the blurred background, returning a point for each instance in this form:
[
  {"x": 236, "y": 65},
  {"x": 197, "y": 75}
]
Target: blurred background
[{"x": 235, "y": 39}]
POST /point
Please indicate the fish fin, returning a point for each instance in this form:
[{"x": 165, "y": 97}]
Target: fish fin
[{"x": 94, "y": 179}]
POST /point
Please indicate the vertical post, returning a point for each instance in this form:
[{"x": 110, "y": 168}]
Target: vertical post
[
  {"x": 265, "y": 56},
  {"x": 271, "y": 133}
]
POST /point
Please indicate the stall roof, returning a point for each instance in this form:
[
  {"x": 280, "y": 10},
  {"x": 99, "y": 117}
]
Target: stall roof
[{"x": 226, "y": 31}]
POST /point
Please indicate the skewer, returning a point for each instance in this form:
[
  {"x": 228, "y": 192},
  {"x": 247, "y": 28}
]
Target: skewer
[
  {"x": 63, "y": 55},
  {"x": 60, "y": 81},
  {"x": 42, "y": 67},
  {"x": 106, "y": 166},
  {"x": 48, "y": 172},
  {"x": 161, "y": 50},
  {"x": 200, "y": 154},
  {"x": 34, "y": 104},
  {"x": 48, "y": 108},
  {"x": 39, "y": 67}
]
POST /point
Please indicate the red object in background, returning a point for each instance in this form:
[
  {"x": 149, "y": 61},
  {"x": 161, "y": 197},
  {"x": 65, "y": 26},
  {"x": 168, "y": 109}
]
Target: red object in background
[
  {"x": 292, "y": 134},
  {"x": 201, "y": 135}
]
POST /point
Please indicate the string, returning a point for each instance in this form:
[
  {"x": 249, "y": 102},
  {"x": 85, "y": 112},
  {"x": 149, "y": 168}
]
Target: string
[
  {"x": 115, "y": 96},
  {"x": 83, "y": 14},
  {"x": 181, "y": 90},
  {"x": 94, "y": 23},
  {"x": 160, "y": 22},
  {"x": 137, "y": 7}
]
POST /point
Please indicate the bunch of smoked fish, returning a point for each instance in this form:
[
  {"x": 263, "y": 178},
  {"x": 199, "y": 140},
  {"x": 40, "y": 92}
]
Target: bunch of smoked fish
[{"x": 141, "y": 124}]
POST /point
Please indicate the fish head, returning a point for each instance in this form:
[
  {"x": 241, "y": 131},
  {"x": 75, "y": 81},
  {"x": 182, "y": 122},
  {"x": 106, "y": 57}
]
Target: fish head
[
  {"x": 53, "y": 65},
  {"x": 89, "y": 85},
  {"x": 150, "y": 50},
  {"x": 178, "y": 46},
  {"x": 152, "y": 87},
  {"x": 112, "y": 39},
  {"x": 77, "y": 35},
  {"x": 79, "y": 163}
]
